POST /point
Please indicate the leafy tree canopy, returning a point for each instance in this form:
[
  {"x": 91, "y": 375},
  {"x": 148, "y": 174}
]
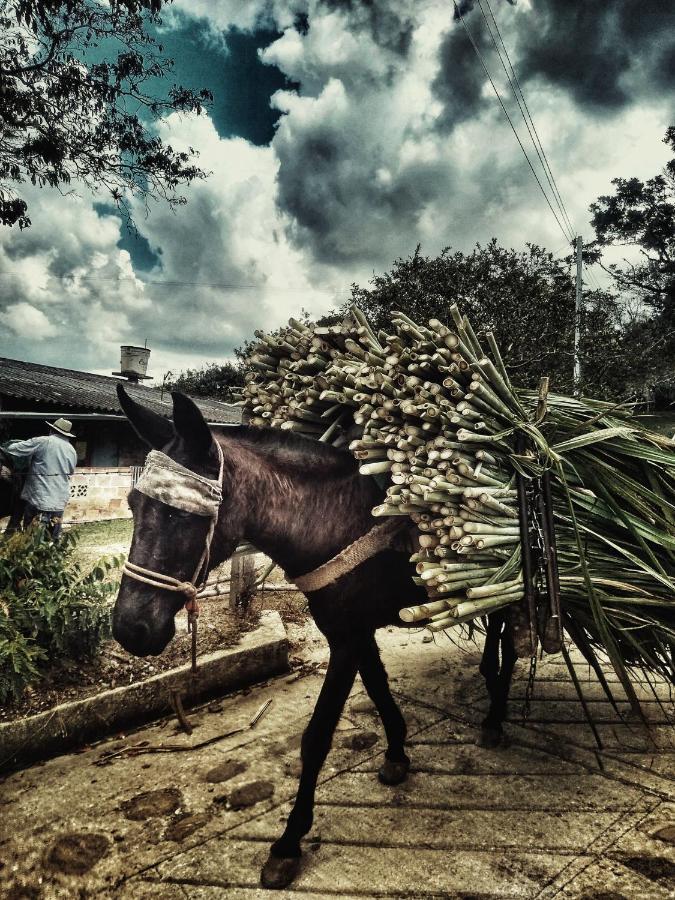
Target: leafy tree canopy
[
  {"x": 525, "y": 298},
  {"x": 75, "y": 103},
  {"x": 217, "y": 381},
  {"x": 642, "y": 214}
]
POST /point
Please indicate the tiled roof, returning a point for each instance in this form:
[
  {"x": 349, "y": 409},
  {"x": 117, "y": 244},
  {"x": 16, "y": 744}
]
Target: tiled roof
[{"x": 86, "y": 392}]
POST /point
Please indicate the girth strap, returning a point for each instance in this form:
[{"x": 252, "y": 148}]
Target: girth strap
[{"x": 381, "y": 537}]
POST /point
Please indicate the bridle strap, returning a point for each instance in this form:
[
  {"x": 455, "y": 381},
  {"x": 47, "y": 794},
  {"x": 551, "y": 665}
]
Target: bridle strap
[
  {"x": 189, "y": 588},
  {"x": 159, "y": 580}
]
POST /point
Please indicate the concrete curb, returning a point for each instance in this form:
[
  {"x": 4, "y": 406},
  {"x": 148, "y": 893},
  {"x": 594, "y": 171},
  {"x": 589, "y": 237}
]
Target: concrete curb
[{"x": 260, "y": 654}]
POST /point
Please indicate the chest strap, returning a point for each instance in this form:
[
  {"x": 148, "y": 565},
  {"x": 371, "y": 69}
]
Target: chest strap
[{"x": 381, "y": 537}]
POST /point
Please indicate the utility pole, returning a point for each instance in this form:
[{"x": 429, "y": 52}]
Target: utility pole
[{"x": 577, "y": 317}]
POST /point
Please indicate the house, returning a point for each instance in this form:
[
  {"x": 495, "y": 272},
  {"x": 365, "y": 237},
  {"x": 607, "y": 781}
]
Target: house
[{"x": 110, "y": 453}]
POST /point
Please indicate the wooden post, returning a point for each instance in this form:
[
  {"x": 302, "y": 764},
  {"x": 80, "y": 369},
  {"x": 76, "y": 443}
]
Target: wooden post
[
  {"x": 242, "y": 576},
  {"x": 578, "y": 307},
  {"x": 235, "y": 580}
]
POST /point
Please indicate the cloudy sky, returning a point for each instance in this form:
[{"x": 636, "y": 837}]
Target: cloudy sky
[{"x": 342, "y": 134}]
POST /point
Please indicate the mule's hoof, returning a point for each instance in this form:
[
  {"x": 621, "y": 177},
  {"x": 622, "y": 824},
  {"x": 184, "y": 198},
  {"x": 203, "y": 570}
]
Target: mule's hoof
[
  {"x": 279, "y": 871},
  {"x": 490, "y": 737},
  {"x": 392, "y": 773}
]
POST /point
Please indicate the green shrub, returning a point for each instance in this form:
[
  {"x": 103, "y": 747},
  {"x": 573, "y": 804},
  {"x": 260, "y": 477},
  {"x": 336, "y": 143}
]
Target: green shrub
[{"x": 50, "y": 610}]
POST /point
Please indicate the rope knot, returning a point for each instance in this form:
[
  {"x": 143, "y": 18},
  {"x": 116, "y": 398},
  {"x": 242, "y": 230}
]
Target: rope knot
[{"x": 186, "y": 587}]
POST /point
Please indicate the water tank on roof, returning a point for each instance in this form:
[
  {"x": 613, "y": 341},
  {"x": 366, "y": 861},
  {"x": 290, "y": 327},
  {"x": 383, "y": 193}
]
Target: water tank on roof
[{"x": 133, "y": 362}]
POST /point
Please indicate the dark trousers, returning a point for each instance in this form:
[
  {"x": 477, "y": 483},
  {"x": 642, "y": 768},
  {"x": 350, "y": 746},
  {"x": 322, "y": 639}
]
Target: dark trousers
[
  {"x": 11, "y": 502},
  {"x": 51, "y": 520}
]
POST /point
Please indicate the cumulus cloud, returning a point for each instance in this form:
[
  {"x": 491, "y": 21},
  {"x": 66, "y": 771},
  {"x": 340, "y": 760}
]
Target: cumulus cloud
[
  {"x": 393, "y": 138},
  {"x": 379, "y": 150},
  {"x": 66, "y": 287},
  {"x": 27, "y": 321},
  {"x": 226, "y": 266},
  {"x": 606, "y": 56}
]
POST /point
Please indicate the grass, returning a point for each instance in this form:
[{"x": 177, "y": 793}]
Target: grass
[{"x": 96, "y": 539}]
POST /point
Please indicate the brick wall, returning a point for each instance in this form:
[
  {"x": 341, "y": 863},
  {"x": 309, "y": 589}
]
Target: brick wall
[{"x": 99, "y": 493}]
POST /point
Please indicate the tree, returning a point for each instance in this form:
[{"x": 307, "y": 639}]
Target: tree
[
  {"x": 642, "y": 214},
  {"x": 76, "y": 103},
  {"x": 217, "y": 381},
  {"x": 525, "y": 298}
]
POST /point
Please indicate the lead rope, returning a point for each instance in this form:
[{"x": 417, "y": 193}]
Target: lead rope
[{"x": 189, "y": 588}]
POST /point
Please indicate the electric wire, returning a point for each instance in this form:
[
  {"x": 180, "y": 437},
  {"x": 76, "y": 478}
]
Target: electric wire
[
  {"x": 506, "y": 113},
  {"x": 527, "y": 115},
  {"x": 215, "y": 284},
  {"x": 590, "y": 275}
]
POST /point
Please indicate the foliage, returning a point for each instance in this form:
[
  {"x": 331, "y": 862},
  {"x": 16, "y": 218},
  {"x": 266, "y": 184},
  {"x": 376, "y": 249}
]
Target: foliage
[
  {"x": 218, "y": 381},
  {"x": 49, "y": 608},
  {"x": 525, "y": 298},
  {"x": 614, "y": 492},
  {"x": 76, "y": 103},
  {"x": 641, "y": 215}
]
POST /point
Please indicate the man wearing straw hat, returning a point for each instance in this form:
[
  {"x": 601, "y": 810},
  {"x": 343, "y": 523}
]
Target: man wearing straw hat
[{"x": 51, "y": 460}]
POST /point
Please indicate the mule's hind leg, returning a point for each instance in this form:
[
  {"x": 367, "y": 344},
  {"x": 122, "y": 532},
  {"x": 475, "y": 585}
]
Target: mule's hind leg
[
  {"x": 284, "y": 860},
  {"x": 497, "y": 677},
  {"x": 374, "y": 677}
]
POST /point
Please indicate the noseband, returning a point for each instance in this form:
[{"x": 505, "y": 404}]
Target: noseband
[{"x": 166, "y": 480}]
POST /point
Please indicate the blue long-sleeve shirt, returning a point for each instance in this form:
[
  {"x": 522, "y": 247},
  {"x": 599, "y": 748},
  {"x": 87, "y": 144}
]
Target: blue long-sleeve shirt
[{"x": 52, "y": 460}]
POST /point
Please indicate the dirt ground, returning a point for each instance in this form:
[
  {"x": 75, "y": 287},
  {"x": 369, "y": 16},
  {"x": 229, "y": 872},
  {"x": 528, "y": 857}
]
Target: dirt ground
[{"x": 158, "y": 814}]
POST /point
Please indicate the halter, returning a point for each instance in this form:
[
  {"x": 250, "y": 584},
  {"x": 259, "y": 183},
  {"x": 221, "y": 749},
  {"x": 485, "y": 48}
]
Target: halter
[{"x": 166, "y": 480}]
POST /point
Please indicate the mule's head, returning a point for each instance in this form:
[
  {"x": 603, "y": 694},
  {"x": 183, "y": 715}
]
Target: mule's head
[{"x": 167, "y": 539}]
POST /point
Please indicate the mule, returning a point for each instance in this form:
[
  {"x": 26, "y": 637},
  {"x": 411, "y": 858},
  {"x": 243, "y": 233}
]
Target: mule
[{"x": 300, "y": 502}]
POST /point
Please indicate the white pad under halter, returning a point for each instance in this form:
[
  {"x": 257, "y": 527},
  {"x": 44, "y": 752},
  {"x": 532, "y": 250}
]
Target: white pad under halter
[{"x": 166, "y": 480}]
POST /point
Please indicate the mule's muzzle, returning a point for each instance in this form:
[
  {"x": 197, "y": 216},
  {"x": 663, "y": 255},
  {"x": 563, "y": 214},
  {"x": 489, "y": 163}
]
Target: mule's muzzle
[{"x": 141, "y": 637}]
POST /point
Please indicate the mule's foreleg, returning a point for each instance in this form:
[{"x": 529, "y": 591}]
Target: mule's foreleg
[
  {"x": 374, "y": 677},
  {"x": 283, "y": 862}
]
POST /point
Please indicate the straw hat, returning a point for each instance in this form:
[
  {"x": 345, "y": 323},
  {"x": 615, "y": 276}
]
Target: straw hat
[{"x": 63, "y": 426}]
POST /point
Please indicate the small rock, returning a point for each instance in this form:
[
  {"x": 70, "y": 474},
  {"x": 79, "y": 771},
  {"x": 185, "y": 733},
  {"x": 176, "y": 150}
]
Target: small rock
[
  {"x": 363, "y": 706},
  {"x": 184, "y": 826},
  {"x": 293, "y": 768},
  {"x": 225, "y": 770},
  {"x": 77, "y": 853},
  {"x": 162, "y": 802},
  {"x": 362, "y": 740},
  {"x": 427, "y": 638},
  {"x": 250, "y": 794}
]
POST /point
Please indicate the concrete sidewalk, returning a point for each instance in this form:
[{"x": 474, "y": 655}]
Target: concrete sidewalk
[{"x": 161, "y": 815}]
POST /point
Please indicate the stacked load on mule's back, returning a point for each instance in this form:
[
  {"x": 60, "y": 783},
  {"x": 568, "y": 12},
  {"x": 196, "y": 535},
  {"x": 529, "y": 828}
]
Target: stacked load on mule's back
[{"x": 433, "y": 411}]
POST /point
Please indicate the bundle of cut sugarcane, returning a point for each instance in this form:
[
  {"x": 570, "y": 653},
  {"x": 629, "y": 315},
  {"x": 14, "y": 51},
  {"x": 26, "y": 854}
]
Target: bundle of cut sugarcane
[{"x": 433, "y": 411}]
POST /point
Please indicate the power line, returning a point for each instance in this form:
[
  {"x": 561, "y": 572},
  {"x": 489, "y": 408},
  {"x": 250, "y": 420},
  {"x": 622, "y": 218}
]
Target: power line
[
  {"x": 506, "y": 113},
  {"x": 215, "y": 284},
  {"x": 591, "y": 277},
  {"x": 527, "y": 115}
]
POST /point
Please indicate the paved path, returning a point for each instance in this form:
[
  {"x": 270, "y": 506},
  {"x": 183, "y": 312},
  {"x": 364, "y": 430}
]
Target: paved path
[{"x": 548, "y": 816}]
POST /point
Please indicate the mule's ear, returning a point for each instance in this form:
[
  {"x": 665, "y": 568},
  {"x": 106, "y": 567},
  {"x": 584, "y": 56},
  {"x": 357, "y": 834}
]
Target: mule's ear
[
  {"x": 190, "y": 424},
  {"x": 148, "y": 425}
]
